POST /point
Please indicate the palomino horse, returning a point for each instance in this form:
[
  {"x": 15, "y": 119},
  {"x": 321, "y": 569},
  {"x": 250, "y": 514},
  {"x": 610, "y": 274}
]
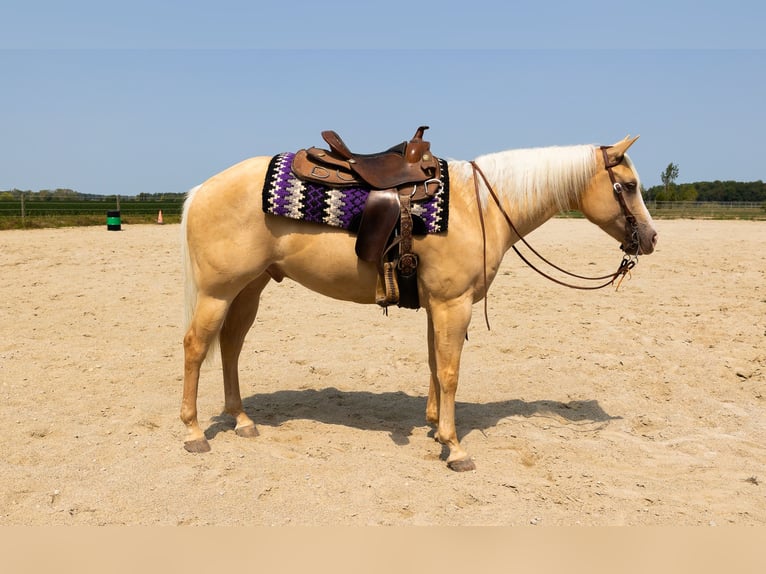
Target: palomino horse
[{"x": 232, "y": 250}]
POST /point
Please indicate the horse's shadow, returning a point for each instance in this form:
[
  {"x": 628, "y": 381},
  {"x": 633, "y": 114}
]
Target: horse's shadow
[{"x": 396, "y": 412}]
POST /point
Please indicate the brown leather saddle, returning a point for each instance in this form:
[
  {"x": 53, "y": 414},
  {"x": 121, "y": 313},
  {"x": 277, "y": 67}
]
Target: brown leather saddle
[{"x": 398, "y": 176}]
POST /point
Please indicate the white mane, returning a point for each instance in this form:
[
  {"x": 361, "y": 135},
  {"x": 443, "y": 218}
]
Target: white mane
[{"x": 534, "y": 179}]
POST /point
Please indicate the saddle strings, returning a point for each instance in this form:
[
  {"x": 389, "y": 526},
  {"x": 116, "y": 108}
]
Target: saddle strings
[{"x": 624, "y": 268}]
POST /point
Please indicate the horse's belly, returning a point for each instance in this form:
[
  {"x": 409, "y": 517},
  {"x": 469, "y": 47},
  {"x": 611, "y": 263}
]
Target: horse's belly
[{"x": 327, "y": 264}]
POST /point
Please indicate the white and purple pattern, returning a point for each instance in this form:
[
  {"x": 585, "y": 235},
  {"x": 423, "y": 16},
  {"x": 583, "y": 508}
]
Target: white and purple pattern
[{"x": 287, "y": 196}]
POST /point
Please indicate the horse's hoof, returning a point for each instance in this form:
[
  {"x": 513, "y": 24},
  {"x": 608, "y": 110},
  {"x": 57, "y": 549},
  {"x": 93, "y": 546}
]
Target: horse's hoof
[
  {"x": 198, "y": 445},
  {"x": 248, "y": 431},
  {"x": 462, "y": 465}
]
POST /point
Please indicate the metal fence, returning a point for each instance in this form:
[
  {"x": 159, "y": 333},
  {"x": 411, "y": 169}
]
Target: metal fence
[
  {"x": 708, "y": 209},
  {"x": 34, "y": 208}
]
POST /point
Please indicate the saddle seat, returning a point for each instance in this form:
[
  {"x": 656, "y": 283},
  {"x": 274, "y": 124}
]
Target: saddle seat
[
  {"x": 405, "y": 173},
  {"x": 408, "y": 164}
]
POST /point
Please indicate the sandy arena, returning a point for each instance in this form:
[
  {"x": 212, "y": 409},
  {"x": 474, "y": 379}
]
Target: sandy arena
[{"x": 636, "y": 407}]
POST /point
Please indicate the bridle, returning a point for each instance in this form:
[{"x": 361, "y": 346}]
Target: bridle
[
  {"x": 635, "y": 243},
  {"x": 629, "y": 260}
]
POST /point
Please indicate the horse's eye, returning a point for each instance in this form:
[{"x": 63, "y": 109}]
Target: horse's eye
[{"x": 631, "y": 185}]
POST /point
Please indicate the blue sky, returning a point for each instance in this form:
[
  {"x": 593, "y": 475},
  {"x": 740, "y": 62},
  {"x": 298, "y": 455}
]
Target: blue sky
[{"x": 157, "y": 96}]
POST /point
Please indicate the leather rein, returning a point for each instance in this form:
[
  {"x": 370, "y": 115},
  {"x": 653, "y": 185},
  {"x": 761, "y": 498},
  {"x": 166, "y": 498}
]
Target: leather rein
[{"x": 627, "y": 263}]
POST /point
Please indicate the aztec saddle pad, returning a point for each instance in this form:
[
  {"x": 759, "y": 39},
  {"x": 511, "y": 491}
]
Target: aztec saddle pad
[{"x": 286, "y": 195}]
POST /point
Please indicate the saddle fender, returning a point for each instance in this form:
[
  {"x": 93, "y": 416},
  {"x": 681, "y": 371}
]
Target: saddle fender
[{"x": 379, "y": 218}]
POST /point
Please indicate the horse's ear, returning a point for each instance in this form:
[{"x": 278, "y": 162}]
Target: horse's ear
[{"x": 617, "y": 151}]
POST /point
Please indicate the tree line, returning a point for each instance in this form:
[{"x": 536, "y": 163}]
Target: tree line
[
  {"x": 752, "y": 191},
  {"x": 724, "y": 191}
]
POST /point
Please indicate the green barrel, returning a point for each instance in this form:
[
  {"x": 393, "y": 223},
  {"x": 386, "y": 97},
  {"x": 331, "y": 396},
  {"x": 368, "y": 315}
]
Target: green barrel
[{"x": 113, "y": 222}]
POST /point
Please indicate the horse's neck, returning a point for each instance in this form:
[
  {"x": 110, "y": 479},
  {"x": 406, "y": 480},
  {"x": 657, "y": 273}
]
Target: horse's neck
[{"x": 534, "y": 185}]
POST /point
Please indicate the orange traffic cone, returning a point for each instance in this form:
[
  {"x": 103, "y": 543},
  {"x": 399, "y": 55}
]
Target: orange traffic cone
[{"x": 159, "y": 218}]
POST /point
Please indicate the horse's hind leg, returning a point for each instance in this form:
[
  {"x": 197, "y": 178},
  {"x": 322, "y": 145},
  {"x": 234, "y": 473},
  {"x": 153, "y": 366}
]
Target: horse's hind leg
[
  {"x": 239, "y": 319},
  {"x": 209, "y": 313}
]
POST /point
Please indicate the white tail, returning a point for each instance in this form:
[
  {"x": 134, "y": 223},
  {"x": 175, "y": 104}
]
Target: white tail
[{"x": 190, "y": 285}]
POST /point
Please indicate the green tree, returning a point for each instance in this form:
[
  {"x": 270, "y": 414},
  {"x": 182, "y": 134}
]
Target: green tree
[
  {"x": 668, "y": 178},
  {"x": 685, "y": 192}
]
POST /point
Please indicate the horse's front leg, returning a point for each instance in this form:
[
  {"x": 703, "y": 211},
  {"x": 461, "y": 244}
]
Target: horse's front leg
[
  {"x": 432, "y": 406},
  {"x": 447, "y": 327}
]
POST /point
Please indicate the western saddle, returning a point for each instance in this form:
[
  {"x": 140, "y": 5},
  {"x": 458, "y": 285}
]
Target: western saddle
[{"x": 397, "y": 177}]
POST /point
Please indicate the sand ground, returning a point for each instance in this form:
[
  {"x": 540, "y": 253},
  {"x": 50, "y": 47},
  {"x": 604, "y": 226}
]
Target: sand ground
[{"x": 641, "y": 406}]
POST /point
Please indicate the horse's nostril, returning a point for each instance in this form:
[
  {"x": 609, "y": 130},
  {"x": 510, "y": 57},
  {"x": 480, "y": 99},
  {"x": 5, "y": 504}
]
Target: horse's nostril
[{"x": 654, "y": 240}]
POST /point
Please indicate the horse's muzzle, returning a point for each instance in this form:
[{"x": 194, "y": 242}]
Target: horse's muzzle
[{"x": 641, "y": 245}]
